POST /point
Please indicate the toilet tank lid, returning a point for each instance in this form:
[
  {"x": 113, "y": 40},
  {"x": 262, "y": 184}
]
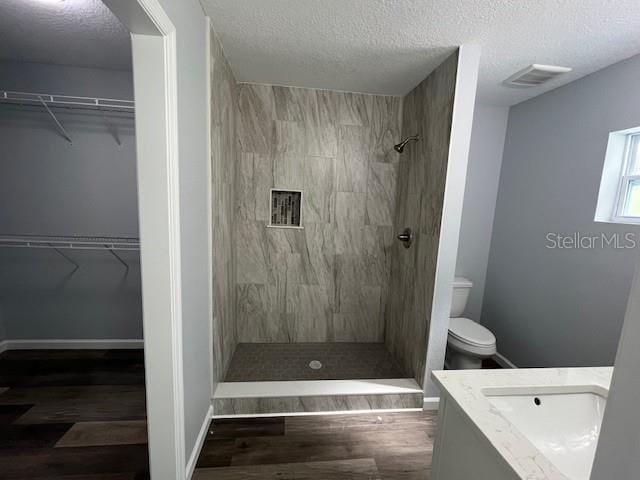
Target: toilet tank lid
[{"x": 461, "y": 282}]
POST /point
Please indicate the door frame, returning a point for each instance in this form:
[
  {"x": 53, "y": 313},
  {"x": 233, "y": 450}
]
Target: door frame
[{"x": 153, "y": 39}]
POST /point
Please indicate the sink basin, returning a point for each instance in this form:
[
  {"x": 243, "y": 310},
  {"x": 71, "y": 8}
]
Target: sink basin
[{"x": 562, "y": 423}]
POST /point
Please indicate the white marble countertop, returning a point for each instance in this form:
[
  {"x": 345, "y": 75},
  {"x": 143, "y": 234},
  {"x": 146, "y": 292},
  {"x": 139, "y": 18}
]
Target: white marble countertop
[{"x": 465, "y": 389}]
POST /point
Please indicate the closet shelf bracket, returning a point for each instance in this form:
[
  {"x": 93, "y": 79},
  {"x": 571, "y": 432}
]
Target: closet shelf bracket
[
  {"x": 66, "y": 257},
  {"x": 126, "y": 265},
  {"x": 61, "y": 129},
  {"x": 113, "y": 130}
]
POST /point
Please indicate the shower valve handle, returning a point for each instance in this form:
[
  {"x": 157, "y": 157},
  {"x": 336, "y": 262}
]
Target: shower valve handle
[{"x": 406, "y": 237}]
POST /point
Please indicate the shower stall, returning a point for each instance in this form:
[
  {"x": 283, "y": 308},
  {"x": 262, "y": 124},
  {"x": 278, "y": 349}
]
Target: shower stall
[{"x": 313, "y": 284}]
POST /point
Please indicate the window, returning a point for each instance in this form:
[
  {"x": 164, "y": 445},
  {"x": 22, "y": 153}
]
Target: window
[
  {"x": 619, "y": 196},
  {"x": 628, "y": 198}
]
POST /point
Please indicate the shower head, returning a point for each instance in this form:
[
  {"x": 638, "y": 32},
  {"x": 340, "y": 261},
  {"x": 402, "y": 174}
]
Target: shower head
[{"x": 400, "y": 147}]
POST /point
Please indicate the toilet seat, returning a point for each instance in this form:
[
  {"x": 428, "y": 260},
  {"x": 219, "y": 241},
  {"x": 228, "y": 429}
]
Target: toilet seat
[{"x": 470, "y": 337}]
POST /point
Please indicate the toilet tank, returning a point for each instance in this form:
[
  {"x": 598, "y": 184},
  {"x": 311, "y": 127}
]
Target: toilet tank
[{"x": 461, "y": 290}]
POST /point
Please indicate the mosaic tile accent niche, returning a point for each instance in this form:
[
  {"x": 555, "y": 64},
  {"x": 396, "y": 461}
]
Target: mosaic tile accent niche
[{"x": 285, "y": 208}]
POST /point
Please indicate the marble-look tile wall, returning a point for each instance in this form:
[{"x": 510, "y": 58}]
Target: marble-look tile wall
[
  {"x": 327, "y": 281},
  {"x": 224, "y": 157},
  {"x": 427, "y": 111}
]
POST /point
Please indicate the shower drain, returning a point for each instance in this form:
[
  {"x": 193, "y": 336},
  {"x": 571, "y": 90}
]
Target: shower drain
[{"x": 315, "y": 365}]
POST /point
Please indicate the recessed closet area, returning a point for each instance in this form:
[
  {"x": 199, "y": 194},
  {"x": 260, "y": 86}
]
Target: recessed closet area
[
  {"x": 72, "y": 374},
  {"x": 69, "y": 229}
]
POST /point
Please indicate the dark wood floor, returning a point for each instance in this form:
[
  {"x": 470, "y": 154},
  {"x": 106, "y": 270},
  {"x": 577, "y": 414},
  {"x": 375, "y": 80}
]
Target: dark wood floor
[
  {"x": 393, "y": 446},
  {"x": 80, "y": 415},
  {"x": 73, "y": 414}
]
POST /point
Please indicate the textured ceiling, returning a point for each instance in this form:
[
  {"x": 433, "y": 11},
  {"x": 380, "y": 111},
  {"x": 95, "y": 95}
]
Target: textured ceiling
[
  {"x": 67, "y": 32},
  {"x": 388, "y": 46}
]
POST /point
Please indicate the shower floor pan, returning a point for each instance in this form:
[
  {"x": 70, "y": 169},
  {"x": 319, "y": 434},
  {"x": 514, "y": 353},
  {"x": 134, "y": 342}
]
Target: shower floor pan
[
  {"x": 265, "y": 362},
  {"x": 268, "y": 379}
]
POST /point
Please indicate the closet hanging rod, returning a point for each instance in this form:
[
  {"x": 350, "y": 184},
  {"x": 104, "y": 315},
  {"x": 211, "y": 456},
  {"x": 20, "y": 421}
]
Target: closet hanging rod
[
  {"x": 97, "y": 103},
  {"x": 68, "y": 108}
]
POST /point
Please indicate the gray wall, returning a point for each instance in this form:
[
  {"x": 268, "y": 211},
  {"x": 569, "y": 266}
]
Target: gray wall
[
  {"x": 560, "y": 307},
  {"x": 50, "y": 187},
  {"x": 428, "y": 112},
  {"x": 327, "y": 282},
  {"x": 224, "y": 158},
  {"x": 66, "y": 80},
  {"x": 481, "y": 191}
]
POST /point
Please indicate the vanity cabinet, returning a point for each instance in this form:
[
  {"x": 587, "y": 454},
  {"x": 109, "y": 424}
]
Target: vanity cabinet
[{"x": 461, "y": 452}]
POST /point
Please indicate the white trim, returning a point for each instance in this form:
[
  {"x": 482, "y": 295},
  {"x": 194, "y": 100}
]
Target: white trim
[
  {"x": 316, "y": 414},
  {"x": 631, "y": 140},
  {"x": 197, "y": 448},
  {"x": 612, "y": 192},
  {"x": 155, "y": 12},
  {"x": 71, "y": 344},
  {"x": 294, "y": 227},
  {"x": 503, "y": 361},
  {"x": 431, "y": 403},
  {"x": 155, "y": 60},
  {"x": 316, "y": 388},
  {"x": 175, "y": 266},
  {"x": 625, "y": 220},
  {"x": 207, "y": 21}
]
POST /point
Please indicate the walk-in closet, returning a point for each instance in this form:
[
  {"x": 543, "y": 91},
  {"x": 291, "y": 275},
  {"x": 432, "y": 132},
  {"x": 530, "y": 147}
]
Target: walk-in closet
[{"x": 72, "y": 377}]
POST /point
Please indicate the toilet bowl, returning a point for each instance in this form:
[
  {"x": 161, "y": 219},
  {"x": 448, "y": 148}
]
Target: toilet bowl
[{"x": 468, "y": 342}]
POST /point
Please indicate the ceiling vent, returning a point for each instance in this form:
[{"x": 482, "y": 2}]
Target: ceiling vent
[{"x": 535, "y": 75}]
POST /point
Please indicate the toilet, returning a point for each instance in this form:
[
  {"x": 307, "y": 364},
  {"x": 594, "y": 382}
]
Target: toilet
[{"x": 468, "y": 342}]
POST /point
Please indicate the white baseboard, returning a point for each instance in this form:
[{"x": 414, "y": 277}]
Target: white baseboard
[
  {"x": 431, "y": 403},
  {"x": 503, "y": 361},
  {"x": 82, "y": 344},
  {"x": 193, "y": 458}
]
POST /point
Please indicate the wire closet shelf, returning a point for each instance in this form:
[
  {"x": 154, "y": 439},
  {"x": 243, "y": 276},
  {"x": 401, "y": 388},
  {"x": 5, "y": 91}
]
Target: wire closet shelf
[
  {"x": 70, "y": 242},
  {"x": 51, "y": 100},
  {"x": 46, "y": 100},
  {"x": 76, "y": 242}
]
